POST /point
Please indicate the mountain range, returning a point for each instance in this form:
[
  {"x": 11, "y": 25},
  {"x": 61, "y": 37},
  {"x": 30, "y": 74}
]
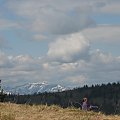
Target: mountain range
[{"x": 32, "y": 88}]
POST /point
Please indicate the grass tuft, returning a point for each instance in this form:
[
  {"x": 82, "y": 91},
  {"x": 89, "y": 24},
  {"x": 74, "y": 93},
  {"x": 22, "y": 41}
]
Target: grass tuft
[{"x": 8, "y": 116}]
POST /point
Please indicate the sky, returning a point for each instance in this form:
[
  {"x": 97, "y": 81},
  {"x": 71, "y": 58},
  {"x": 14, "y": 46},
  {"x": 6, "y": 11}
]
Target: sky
[{"x": 67, "y": 42}]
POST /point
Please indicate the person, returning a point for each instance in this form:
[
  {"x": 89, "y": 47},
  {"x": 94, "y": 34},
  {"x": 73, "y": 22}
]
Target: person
[{"x": 85, "y": 104}]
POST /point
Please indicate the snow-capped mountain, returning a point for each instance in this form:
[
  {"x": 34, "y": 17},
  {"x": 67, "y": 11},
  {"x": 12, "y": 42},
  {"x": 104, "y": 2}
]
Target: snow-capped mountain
[{"x": 32, "y": 88}]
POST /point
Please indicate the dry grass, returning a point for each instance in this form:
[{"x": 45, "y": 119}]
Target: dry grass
[{"x": 9, "y": 111}]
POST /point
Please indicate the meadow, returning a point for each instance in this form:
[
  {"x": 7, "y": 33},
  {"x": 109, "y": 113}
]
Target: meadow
[{"x": 10, "y": 111}]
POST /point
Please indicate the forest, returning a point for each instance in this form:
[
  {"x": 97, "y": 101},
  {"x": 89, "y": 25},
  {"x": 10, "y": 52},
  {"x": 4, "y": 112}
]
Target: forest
[{"x": 105, "y": 96}]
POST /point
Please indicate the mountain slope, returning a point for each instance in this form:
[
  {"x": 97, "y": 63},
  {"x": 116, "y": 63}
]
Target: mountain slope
[{"x": 32, "y": 88}]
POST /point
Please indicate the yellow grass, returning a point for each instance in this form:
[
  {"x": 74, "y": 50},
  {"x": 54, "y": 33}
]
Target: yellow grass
[{"x": 9, "y": 111}]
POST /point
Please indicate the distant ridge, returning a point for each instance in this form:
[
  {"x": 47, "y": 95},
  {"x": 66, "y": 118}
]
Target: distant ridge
[{"x": 32, "y": 88}]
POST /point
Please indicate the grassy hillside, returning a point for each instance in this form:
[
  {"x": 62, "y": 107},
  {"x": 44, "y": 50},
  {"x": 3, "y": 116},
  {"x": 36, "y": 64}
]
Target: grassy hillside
[
  {"x": 9, "y": 111},
  {"x": 105, "y": 96}
]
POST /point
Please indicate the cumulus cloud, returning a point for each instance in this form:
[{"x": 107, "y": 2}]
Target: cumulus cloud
[
  {"x": 19, "y": 69},
  {"x": 100, "y": 57},
  {"x": 23, "y": 59},
  {"x": 100, "y": 68},
  {"x": 69, "y": 59},
  {"x": 69, "y": 48}
]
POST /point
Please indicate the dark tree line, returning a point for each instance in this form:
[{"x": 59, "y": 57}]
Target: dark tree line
[{"x": 105, "y": 96}]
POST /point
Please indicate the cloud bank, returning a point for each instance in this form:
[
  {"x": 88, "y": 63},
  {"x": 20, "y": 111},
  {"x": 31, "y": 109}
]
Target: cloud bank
[
  {"x": 70, "y": 29},
  {"x": 99, "y": 68}
]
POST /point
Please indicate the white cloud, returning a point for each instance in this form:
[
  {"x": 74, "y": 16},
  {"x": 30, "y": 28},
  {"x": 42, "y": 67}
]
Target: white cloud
[
  {"x": 23, "y": 59},
  {"x": 6, "y": 24},
  {"x": 100, "y": 57},
  {"x": 39, "y": 37},
  {"x": 4, "y": 61},
  {"x": 53, "y": 17},
  {"x": 111, "y": 8},
  {"x": 20, "y": 69},
  {"x": 105, "y": 33},
  {"x": 100, "y": 68},
  {"x": 3, "y": 42},
  {"x": 77, "y": 80},
  {"x": 68, "y": 66},
  {"x": 58, "y": 17},
  {"x": 67, "y": 58},
  {"x": 69, "y": 48}
]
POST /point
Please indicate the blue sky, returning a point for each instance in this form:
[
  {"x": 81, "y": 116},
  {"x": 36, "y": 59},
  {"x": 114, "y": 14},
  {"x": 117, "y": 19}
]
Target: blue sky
[{"x": 68, "y": 42}]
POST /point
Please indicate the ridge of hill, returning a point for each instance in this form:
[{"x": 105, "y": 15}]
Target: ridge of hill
[{"x": 32, "y": 88}]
